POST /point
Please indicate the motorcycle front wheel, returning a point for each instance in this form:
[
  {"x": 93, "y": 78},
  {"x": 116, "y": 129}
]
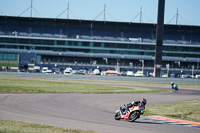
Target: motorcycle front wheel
[
  {"x": 117, "y": 116},
  {"x": 133, "y": 116}
]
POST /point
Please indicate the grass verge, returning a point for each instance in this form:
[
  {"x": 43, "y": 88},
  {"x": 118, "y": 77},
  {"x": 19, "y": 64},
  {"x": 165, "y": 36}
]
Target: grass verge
[
  {"x": 16, "y": 85},
  {"x": 9, "y": 63},
  {"x": 24, "y": 127},
  {"x": 185, "y": 111}
]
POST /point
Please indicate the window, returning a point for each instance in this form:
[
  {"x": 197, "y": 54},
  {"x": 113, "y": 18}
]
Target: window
[
  {"x": 122, "y": 45},
  {"x": 134, "y": 46},
  {"x": 96, "y": 44},
  {"x": 60, "y": 42},
  {"x": 148, "y": 47},
  {"x": 24, "y": 41},
  {"x": 86, "y": 44},
  {"x": 34, "y": 41},
  {"x": 8, "y": 57},
  {"x": 2, "y": 40},
  {"x": 48, "y": 42},
  {"x": 110, "y": 45},
  {"x": 72, "y": 43},
  {"x": 10, "y": 40}
]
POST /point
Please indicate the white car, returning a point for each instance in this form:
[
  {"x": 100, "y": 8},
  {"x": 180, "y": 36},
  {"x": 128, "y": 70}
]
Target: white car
[
  {"x": 44, "y": 69},
  {"x": 186, "y": 76},
  {"x": 68, "y": 71},
  {"x": 129, "y": 73},
  {"x": 96, "y": 72}
]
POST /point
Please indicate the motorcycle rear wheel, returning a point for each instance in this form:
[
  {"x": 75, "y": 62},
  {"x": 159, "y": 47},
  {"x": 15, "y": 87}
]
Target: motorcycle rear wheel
[
  {"x": 133, "y": 116},
  {"x": 117, "y": 116}
]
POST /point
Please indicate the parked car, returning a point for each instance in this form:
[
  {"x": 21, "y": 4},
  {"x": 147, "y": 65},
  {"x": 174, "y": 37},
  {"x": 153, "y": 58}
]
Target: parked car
[
  {"x": 186, "y": 76},
  {"x": 68, "y": 71},
  {"x": 139, "y": 74},
  {"x": 130, "y": 73}
]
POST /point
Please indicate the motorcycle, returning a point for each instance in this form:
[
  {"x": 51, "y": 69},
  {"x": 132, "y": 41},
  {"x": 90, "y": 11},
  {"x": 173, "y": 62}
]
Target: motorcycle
[
  {"x": 175, "y": 87},
  {"x": 130, "y": 112}
]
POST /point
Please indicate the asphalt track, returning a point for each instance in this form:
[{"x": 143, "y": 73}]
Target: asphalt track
[{"x": 91, "y": 111}]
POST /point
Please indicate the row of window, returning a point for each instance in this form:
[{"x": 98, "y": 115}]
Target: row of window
[
  {"x": 97, "y": 44},
  {"x": 174, "y": 54},
  {"x": 13, "y": 57}
]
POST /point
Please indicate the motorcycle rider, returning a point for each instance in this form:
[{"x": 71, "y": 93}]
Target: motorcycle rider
[
  {"x": 174, "y": 86},
  {"x": 141, "y": 102},
  {"x": 132, "y": 111}
]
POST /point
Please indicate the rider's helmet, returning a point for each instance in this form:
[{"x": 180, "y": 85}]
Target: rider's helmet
[
  {"x": 144, "y": 101},
  {"x": 172, "y": 83}
]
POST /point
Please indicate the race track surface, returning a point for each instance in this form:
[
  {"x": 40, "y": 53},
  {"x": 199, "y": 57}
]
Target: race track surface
[{"x": 91, "y": 111}]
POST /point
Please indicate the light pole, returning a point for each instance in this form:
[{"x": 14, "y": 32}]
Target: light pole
[
  {"x": 142, "y": 64},
  {"x": 192, "y": 71}
]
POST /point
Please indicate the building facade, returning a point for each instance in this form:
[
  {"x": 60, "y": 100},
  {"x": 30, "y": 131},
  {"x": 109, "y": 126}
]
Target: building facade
[{"x": 99, "y": 42}]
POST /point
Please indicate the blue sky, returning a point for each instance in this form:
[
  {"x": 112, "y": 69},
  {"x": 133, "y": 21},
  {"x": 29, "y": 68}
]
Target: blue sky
[{"x": 116, "y": 10}]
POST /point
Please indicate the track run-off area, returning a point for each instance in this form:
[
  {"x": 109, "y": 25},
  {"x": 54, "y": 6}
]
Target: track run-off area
[{"x": 94, "y": 111}]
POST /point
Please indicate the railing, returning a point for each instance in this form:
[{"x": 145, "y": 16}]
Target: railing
[{"x": 114, "y": 66}]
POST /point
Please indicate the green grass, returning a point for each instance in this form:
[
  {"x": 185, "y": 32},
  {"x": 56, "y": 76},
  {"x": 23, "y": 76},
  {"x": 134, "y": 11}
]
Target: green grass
[
  {"x": 24, "y": 127},
  {"x": 186, "y": 110},
  {"x": 9, "y": 63},
  {"x": 16, "y": 85}
]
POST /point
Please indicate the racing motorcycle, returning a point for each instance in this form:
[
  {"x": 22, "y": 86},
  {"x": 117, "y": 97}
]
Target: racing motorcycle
[
  {"x": 175, "y": 87},
  {"x": 130, "y": 112}
]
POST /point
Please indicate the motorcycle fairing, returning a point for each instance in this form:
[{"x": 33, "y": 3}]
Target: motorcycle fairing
[{"x": 134, "y": 108}]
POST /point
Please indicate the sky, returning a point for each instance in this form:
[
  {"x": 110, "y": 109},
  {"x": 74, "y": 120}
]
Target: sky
[{"x": 115, "y": 10}]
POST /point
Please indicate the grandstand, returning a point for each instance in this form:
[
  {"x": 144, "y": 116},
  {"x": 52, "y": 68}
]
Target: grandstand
[{"x": 64, "y": 41}]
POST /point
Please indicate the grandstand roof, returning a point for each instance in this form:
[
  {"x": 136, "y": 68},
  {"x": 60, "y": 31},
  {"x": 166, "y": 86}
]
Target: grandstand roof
[{"x": 34, "y": 21}]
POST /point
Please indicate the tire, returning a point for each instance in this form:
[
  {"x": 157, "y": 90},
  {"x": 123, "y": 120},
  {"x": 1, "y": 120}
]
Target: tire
[
  {"x": 133, "y": 116},
  {"x": 117, "y": 116}
]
